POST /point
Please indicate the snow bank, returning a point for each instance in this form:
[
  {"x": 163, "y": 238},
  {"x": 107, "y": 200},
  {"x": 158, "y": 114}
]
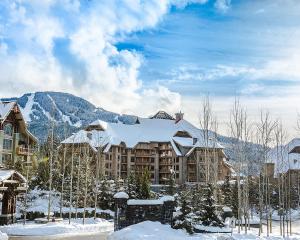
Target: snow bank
[
  {"x": 295, "y": 215},
  {"x": 38, "y": 202},
  {"x": 3, "y": 236},
  {"x": 121, "y": 195},
  {"x": 76, "y": 227},
  {"x": 211, "y": 229},
  {"x": 157, "y": 231}
]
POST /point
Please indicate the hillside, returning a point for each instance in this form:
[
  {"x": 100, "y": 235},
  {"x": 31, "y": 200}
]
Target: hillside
[{"x": 66, "y": 111}]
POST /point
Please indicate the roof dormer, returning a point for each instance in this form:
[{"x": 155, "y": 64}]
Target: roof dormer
[
  {"x": 97, "y": 125},
  {"x": 162, "y": 115},
  {"x": 184, "y": 134}
]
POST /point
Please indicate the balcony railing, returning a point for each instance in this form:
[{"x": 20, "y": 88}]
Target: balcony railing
[{"x": 25, "y": 151}]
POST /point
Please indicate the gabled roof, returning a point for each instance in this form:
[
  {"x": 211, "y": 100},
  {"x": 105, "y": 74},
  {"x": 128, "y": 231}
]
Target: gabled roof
[
  {"x": 5, "y": 108},
  {"x": 147, "y": 131},
  {"x": 7, "y": 173},
  {"x": 162, "y": 115}
]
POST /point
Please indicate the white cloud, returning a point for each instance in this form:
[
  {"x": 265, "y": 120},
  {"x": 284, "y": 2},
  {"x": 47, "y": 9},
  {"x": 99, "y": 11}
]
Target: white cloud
[
  {"x": 112, "y": 76},
  {"x": 222, "y": 5}
]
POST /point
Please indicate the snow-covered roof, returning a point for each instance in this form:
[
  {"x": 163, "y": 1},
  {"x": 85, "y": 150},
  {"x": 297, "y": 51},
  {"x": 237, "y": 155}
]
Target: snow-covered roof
[
  {"x": 5, "y": 108},
  {"x": 6, "y": 174},
  {"x": 121, "y": 195},
  {"x": 284, "y": 158},
  {"x": 167, "y": 198},
  {"x": 159, "y": 201},
  {"x": 146, "y": 131}
]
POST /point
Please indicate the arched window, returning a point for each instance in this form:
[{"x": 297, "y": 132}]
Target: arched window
[{"x": 8, "y": 129}]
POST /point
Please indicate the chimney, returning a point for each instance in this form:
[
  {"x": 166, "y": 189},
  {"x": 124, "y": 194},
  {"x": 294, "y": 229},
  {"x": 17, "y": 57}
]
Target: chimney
[
  {"x": 89, "y": 135},
  {"x": 178, "y": 116}
]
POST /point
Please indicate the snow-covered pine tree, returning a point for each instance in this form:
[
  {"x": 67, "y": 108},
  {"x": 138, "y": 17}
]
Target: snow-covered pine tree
[
  {"x": 209, "y": 212},
  {"x": 145, "y": 192},
  {"x": 104, "y": 197},
  {"x": 138, "y": 185},
  {"x": 227, "y": 193},
  {"x": 184, "y": 220},
  {"x": 130, "y": 186},
  {"x": 171, "y": 185},
  {"x": 235, "y": 204}
]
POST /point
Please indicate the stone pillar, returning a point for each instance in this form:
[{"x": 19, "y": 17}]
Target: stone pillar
[
  {"x": 120, "y": 210},
  {"x": 1, "y": 145}
]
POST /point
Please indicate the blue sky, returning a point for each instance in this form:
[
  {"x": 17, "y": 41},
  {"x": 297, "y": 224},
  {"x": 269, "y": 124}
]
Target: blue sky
[{"x": 140, "y": 56}]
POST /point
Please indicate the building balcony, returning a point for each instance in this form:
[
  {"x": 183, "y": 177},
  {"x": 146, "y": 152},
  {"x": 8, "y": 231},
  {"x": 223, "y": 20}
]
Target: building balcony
[
  {"x": 25, "y": 151},
  {"x": 191, "y": 162}
]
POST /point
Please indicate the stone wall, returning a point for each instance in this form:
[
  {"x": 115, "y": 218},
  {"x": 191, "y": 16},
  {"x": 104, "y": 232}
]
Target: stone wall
[{"x": 133, "y": 211}]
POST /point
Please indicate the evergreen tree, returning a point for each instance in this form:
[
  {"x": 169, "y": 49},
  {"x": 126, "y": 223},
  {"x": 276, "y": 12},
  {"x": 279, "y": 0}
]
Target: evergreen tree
[
  {"x": 253, "y": 194},
  {"x": 138, "y": 186},
  {"x": 184, "y": 220},
  {"x": 235, "y": 200},
  {"x": 171, "y": 186},
  {"x": 130, "y": 187},
  {"x": 209, "y": 212},
  {"x": 227, "y": 193},
  {"x": 145, "y": 192},
  {"x": 105, "y": 196}
]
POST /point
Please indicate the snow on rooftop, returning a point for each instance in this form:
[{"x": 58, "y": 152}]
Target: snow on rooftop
[
  {"x": 159, "y": 201},
  {"x": 6, "y": 174},
  {"x": 148, "y": 130},
  {"x": 121, "y": 195},
  {"x": 5, "y": 108},
  {"x": 144, "y": 202},
  {"x": 283, "y": 159}
]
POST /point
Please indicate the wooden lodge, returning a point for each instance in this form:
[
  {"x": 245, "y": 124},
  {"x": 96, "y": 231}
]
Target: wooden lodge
[
  {"x": 17, "y": 145},
  {"x": 161, "y": 144}
]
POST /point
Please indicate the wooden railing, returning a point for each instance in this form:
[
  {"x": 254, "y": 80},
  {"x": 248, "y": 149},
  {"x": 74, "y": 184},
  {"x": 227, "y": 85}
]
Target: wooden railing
[{"x": 25, "y": 151}]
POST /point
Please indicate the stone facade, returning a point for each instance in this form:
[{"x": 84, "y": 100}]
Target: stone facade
[{"x": 129, "y": 212}]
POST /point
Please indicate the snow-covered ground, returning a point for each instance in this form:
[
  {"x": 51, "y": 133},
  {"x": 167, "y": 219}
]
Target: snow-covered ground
[
  {"x": 3, "y": 236},
  {"x": 38, "y": 202},
  {"x": 76, "y": 227},
  {"x": 155, "y": 230}
]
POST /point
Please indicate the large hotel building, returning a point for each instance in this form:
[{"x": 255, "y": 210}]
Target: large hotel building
[{"x": 162, "y": 144}]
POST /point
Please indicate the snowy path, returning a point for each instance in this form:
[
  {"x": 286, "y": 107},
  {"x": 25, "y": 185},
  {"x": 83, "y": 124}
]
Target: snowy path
[
  {"x": 92, "y": 236},
  {"x": 92, "y": 229}
]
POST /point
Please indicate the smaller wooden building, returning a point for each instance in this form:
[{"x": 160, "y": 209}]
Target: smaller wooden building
[{"x": 11, "y": 184}]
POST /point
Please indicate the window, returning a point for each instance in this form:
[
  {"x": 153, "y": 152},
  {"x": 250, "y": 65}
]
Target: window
[
  {"x": 7, "y": 144},
  {"x": 8, "y": 129},
  {"x": 6, "y": 158},
  {"x": 132, "y": 159},
  {"x": 295, "y": 161}
]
